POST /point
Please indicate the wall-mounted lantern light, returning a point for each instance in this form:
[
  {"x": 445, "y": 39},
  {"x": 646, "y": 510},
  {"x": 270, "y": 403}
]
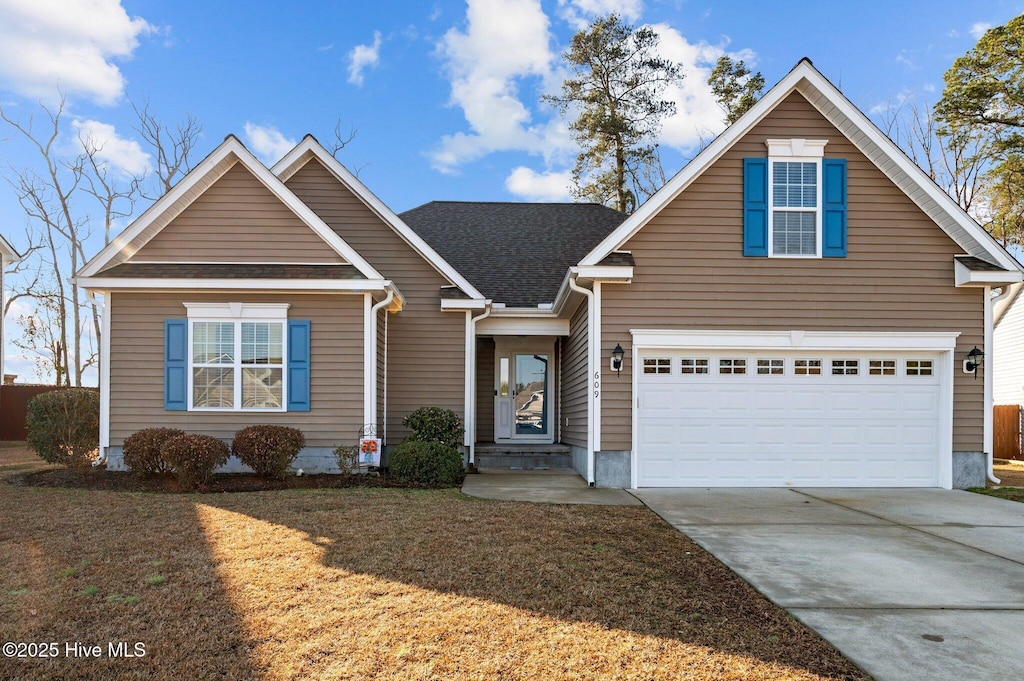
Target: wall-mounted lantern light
[
  {"x": 617, "y": 354},
  {"x": 975, "y": 358}
]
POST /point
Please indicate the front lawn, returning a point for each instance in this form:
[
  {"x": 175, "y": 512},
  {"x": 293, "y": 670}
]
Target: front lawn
[
  {"x": 378, "y": 583},
  {"x": 1011, "y": 493}
]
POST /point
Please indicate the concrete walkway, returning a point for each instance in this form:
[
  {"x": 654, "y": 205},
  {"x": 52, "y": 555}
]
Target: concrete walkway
[
  {"x": 909, "y": 584},
  {"x": 556, "y": 486}
]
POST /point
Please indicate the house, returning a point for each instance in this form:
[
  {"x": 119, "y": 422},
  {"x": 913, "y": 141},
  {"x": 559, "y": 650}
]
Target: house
[
  {"x": 8, "y": 256},
  {"x": 792, "y": 308},
  {"x": 1007, "y": 342}
]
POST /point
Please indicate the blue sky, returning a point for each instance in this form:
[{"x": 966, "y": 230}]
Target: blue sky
[{"x": 445, "y": 95}]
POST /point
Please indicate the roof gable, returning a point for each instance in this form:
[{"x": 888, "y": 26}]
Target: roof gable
[
  {"x": 852, "y": 123},
  {"x": 7, "y": 251},
  {"x": 310, "y": 149},
  {"x": 230, "y": 153}
]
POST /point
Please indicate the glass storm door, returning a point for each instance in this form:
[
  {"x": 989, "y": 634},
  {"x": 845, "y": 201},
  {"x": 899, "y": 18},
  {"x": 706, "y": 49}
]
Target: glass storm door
[{"x": 530, "y": 396}]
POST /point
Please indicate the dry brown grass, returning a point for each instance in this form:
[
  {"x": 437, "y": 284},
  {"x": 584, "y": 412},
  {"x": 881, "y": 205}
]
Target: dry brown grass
[
  {"x": 394, "y": 584},
  {"x": 1009, "y": 474}
]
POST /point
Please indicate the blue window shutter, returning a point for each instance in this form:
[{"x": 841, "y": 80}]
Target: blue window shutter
[
  {"x": 833, "y": 218},
  {"x": 298, "y": 365},
  {"x": 176, "y": 364},
  {"x": 755, "y": 207}
]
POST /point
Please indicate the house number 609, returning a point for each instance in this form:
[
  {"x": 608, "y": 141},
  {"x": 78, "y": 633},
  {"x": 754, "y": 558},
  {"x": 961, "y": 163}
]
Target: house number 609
[{"x": 597, "y": 384}]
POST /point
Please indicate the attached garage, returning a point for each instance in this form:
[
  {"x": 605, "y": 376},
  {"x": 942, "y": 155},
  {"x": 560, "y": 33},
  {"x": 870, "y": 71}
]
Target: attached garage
[{"x": 809, "y": 409}]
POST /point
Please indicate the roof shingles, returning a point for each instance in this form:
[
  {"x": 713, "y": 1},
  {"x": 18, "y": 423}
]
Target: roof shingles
[{"x": 514, "y": 253}]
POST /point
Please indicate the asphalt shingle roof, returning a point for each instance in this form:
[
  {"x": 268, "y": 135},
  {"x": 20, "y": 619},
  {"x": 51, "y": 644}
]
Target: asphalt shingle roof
[
  {"x": 978, "y": 265},
  {"x": 513, "y": 253}
]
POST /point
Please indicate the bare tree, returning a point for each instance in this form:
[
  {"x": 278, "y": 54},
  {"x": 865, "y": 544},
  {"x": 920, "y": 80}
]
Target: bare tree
[{"x": 172, "y": 147}]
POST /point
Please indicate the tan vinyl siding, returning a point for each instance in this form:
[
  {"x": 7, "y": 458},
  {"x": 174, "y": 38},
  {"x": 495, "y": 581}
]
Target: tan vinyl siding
[
  {"x": 382, "y": 320},
  {"x": 237, "y": 220},
  {"x": 691, "y": 274},
  {"x": 485, "y": 390},
  {"x": 574, "y": 379},
  {"x": 336, "y": 362},
  {"x": 426, "y": 347}
]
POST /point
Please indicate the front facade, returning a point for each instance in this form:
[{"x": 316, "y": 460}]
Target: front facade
[{"x": 793, "y": 308}]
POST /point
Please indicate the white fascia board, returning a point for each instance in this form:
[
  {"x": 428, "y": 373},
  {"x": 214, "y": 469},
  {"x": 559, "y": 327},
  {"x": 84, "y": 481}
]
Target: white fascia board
[
  {"x": 462, "y": 304},
  {"x": 608, "y": 273},
  {"x": 288, "y": 165},
  {"x": 880, "y": 150},
  {"x": 230, "y": 147},
  {"x": 8, "y": 256},
  {"x": 522, "y": 326},
  {"x": 967, "y": 277},
  {"x": 344, "y": 285},
  {"x": 909, "y": 341}
]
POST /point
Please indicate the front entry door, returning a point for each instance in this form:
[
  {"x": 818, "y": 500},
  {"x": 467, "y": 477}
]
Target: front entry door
[{"x": 523, "y": 396}]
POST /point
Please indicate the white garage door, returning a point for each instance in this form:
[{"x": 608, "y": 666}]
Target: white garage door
[{"x": 770, "y": 419}]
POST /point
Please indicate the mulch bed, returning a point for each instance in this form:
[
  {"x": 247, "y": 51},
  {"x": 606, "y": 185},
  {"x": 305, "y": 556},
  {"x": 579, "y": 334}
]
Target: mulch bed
[{"x": 117, "y": 481}]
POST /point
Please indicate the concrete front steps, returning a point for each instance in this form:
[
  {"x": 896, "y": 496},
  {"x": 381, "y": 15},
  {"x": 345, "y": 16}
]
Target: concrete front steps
[{"x": 523, "y": 457}]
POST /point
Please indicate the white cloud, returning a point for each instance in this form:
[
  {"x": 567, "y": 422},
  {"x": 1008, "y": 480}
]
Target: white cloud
[
  {"x": 363, "y": 57},
  {"x": 67, "y": 43},
  {"x": 698, "y": 116},
  {"x": 902, "y": 58},
  {"x": 579, "y": 13},
  {"x": 534, "y": 186},
  {"x": 117, "y": 152},
  {"x": 505, "y": 43},
  {"x": 978, "y": 29},
  {"x": 267, "y": 142}
]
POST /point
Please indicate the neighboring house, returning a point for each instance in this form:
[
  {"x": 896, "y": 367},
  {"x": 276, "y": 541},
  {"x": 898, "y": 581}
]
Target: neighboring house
[
  {"x": 8, "y": 256},
  {"x": 1008, "y": 347},
  {"x": 793, "y": 308}
]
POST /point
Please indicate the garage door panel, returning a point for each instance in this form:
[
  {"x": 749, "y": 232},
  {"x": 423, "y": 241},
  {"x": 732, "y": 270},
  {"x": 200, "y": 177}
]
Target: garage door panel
[{"x": 775, "y": 430}]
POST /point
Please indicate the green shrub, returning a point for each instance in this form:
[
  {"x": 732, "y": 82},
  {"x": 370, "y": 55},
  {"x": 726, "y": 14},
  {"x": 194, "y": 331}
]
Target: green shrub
[
  {"x": 426, "y": 463},
  {"x": 142, "y": 450},
  {"x": 193, "y": 457},
  {"x": 268, "y": 450},
  {"x": 64, "y": 427},
  {"x": 433, "y": 424}
]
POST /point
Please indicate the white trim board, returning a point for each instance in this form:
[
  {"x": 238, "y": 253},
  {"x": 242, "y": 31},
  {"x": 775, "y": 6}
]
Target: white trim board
[
  {"x": 341, "y": 285},
  {"x": 925, "y": 341},
  {"x": 864, "y": 134},
  {"x": 171, "y": 204},
  {"x": 295, "y": 159}
]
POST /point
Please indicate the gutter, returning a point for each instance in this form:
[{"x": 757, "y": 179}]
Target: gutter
[
  {"x": 990, "y": 302},
  {"x": 471, "y": 321},
  {"x": 591, "y": 367},
  {"x": 373, "y": 346}
]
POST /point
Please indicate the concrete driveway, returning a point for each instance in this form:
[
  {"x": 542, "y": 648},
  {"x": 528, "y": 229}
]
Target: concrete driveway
[{"x": 909, "y": 584}]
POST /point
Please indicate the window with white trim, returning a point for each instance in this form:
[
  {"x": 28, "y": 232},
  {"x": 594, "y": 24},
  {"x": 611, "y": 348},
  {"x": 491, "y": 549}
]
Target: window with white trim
[
  {"x": 237, "y": 364},
  {"x": 657, "y": 365},
  {"x": 807, "y": 367},
  {"x": 794, "y": 197},
  {"x": 919, "y": 367},
  {"x": 882, "y": 367},
  {"x": 695, "y": 365},
  {"x": 773, "y": 367},
  {"x": 845, "y": 367},
  {"x": 732, "y": 366}
]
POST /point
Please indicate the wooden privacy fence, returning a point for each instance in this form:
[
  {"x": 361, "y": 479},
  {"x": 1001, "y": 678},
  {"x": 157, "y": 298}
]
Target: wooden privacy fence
[
  {"x": 1006, "y": 431},
  {"x": 13, "y": 407}
]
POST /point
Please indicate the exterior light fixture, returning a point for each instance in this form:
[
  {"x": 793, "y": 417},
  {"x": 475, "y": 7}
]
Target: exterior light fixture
[
  {"x": 617, "y": 354},
  {"x": 975, "y": 358}
]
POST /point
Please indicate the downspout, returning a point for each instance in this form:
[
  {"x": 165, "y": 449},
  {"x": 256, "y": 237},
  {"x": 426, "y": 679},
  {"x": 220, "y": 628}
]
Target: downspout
[
  {"x": 384, "y": 416},
  {"x": 988, "y": 376},
  {"x": 373, "y": 376},
  {"x": 104, "y": 380},
  {"x": 471, "y": 381},
  {"x": 591, "y": 367}
]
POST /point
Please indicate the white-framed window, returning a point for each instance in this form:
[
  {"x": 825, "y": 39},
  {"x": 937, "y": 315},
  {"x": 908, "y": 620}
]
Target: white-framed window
[
  {"x": 919, "y": 367},
  {"x": 807, "y": 367},
  {"x": 732, "y": 366},
  {"x": 794, "y": 198},
  {"x": 695, "y": 365},
  {"x": 657, "y": 365},
  {"x": 236, "y": 356},
  {"x": 882, "y": 367},
  {"x": 845, "y": 367},
  {"x": 771, "y": 367}
]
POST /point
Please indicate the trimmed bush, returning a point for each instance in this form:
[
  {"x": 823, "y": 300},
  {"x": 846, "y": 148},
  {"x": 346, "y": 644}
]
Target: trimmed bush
[
  {"x": 348, "y": 458},
  {"x": 64, "y": 427},
  {"x": 268, "y": 450},
  {"x": 142, "y": 450},
  {"x": 193, "y": 457},
  {"x": 426, "y": 463},
  {"x": 433, "y": 424}
]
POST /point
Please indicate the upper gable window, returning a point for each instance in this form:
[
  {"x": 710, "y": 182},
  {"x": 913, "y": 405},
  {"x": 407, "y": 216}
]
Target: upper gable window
[{"x": 794, "y": 197}]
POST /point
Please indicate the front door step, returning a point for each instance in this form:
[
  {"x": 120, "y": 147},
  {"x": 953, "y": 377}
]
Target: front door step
[{"x": 533, "y": 457}]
